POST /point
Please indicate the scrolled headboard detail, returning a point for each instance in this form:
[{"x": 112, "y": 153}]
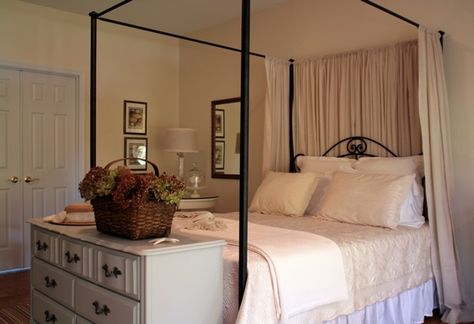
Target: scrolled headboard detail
[{"x": 356, "y": 146}]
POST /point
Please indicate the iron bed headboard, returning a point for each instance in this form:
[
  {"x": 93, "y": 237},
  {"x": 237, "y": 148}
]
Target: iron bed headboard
[{"x": 355, "y": 147}]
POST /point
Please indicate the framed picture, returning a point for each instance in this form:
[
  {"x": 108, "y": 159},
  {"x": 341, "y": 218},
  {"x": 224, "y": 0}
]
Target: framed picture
[
  {"x": 135, "y": 147},
  {"x": 134, "y": 117},
  {"x": 219, "y": 123},
  {"x": 219, "y": 154}
]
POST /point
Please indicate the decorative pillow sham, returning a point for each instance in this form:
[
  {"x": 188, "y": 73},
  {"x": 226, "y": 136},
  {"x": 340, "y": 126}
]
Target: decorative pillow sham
[
  {"x": 366, "y": 199},
  {"x": 284, "y": 193},
  {"x": 323, "y": 164},
  {"x": 411, "y": 213}
]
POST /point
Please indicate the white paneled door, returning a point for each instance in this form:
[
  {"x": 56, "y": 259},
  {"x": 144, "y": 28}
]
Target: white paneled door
[
  {"x": 11, "y": 209},
  {"x": 41, "y": 146}
]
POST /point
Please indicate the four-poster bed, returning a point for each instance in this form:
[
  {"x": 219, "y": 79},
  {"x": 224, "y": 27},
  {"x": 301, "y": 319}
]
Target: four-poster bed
[{"x": 245, "y": 54}]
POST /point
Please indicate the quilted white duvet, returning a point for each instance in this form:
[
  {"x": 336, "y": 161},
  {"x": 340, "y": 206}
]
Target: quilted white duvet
[{"x": 378, "y": 263}]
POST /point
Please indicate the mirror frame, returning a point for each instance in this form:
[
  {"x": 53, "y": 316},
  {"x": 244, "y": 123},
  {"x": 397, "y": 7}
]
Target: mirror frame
[{"x": 214, "y": 105}]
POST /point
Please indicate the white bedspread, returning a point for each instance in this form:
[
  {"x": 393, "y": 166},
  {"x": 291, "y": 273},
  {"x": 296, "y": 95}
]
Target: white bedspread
[
  {"x": 378, "y": 263},
  {"x": 306, "y": 270}
]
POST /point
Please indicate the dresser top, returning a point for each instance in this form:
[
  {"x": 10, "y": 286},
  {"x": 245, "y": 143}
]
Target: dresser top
[{"x": 90, "y": 234}]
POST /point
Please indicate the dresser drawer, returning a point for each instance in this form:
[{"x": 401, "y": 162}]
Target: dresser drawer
[
  {"x": 76, "y": 257},
  {"x": 80, "y": 320},
  {"x": 46, "y": 311},
  {"x": 118, "y": 271},
  {"x": 100, "y": 305},
  {"x": 53, "y": 282},
  {"x": 44, "y": 246}
]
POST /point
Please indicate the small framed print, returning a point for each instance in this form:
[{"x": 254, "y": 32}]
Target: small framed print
[
  {"x": 219, "y": 154},
  {"x": 219, "y": 123},
  {"x": 134, "y": 117},
  {"x": 135, "y": 148}
]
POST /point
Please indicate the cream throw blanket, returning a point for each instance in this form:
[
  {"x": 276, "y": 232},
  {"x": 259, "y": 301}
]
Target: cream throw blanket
[{"x": 306, "y": 269}]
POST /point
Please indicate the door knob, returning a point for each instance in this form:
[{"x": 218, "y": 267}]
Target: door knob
[
  {"x": 29, "y": 179},
  {"x": 13, "y": 179}
]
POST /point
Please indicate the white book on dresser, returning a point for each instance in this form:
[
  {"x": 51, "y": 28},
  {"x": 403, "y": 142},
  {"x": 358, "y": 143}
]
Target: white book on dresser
[{"x": 82, "y": 276}]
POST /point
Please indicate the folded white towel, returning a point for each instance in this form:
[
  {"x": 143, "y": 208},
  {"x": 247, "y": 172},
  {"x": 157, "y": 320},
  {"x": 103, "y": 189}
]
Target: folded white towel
[{"x": 56, "y": 218}]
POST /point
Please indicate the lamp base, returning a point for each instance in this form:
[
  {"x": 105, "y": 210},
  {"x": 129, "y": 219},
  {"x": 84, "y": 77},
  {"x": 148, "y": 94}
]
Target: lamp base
[
  {"x": 195, "y": 194},
  {"x": 180, "y": 165}
]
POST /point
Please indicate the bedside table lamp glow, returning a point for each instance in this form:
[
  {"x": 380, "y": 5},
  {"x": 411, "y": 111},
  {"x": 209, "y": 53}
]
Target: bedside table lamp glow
[{"x": 181, "y": 140}]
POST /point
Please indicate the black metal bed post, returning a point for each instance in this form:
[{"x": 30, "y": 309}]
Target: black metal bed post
[
  {"x": 93, "y": 90},
  {"x": 244, "y": 161},
  {"x": 291, "y": 91}
]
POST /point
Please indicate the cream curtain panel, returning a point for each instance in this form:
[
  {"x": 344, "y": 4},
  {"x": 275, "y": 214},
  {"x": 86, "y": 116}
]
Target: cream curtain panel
[
  {"x": 370, "y": 92},
  {"x": 434, "y": 118},
  {"x": 276, "y": 125}
]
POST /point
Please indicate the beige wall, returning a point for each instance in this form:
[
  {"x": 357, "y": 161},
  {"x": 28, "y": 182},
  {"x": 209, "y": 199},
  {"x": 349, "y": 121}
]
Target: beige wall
[
  {"x": 309, "y": 28},
  {"x": 132, "y": 65},
  {"x": 207, "y": 74}
]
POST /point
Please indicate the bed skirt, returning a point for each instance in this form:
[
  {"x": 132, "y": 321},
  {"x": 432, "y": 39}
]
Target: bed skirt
[{"x": 408, "y": 307}]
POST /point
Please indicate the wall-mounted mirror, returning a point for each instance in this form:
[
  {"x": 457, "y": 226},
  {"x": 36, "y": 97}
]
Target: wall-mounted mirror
[{"x": 225, "y": 139}]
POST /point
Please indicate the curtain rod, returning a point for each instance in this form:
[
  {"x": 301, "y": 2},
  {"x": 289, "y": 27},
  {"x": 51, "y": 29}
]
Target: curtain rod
[
  {"x": 113, "y": 7},
  {"x": 390, "y": 12},
  {"x": 156, "y": 31}
]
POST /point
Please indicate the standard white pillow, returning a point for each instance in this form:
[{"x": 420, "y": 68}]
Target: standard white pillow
[
  {"x": 284, "y": 193},
  {"x": 324, "y": 179},
  {"x": 395, "y": 166},
  {"x": 366, "y": 199},
  {"x": 411, "y": 212},
  {"x": 323, "y": 164}
]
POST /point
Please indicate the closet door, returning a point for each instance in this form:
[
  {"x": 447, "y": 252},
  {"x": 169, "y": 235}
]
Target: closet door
[
  {"x": 11, "y": 216},
  {"x": 49, "y": 145}
]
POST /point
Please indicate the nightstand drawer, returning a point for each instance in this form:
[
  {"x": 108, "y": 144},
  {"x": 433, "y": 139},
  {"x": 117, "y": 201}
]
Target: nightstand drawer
[
  {"x": 44, "y": 246},
  {"x": 46, "y": 311},
  {"x": 53, "y": 282},
  {"x": 99, "y": 305},
  {"x": 118, "y": 271}
]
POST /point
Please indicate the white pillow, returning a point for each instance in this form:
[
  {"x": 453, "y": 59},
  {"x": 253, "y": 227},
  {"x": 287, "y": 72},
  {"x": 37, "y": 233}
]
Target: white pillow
[
  {"x": 404, "y": 164},
  {"x": 411, "y": 212},
  {"x": 323, "y": 164},
  {"x": 366, "y": 199},
  {"x": 324, "y": 179},
  {"x": 284, "y": 193}
]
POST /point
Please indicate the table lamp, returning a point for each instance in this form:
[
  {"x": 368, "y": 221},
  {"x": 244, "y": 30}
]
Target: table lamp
[{"x": 181, "y": 140}]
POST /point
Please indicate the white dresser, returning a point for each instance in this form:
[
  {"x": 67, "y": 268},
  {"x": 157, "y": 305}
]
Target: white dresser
[{"x": 82, "y": 276}]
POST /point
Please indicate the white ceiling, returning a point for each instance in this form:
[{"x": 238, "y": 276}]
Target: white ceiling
[{"x": 175, "y": 16}]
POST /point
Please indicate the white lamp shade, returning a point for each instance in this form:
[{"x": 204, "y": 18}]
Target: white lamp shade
[{"x": 181, "y": 140}]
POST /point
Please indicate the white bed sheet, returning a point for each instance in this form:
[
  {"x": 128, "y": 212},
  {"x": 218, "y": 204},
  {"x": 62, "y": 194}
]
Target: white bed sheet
[{"x": 379, "y": 264}]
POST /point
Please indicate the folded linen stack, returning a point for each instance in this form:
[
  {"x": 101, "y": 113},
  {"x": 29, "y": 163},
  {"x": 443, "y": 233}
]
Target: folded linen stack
[{"x": 73, "y": 213}]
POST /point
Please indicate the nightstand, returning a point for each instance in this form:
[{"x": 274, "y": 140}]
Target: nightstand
[{"x": 203, "y": 203}]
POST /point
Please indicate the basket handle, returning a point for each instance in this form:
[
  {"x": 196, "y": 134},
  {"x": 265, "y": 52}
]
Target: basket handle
[{"x": 155, "y": 168}]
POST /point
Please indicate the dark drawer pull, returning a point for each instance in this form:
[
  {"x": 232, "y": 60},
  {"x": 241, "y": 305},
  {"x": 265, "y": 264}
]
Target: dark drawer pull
[
  {"x": 73, "y": 259},
  {"x": 98, "y": 310},
  {"x": 49, "y": 317},
  {"x": 50, "y": 283},
  {"x": 115, "y": 272},
  {"x": 41, "y": 247}
]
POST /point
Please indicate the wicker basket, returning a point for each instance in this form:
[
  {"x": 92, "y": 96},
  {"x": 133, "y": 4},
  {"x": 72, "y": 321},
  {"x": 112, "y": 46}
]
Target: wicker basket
[{"x": 152, "y": 219}]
